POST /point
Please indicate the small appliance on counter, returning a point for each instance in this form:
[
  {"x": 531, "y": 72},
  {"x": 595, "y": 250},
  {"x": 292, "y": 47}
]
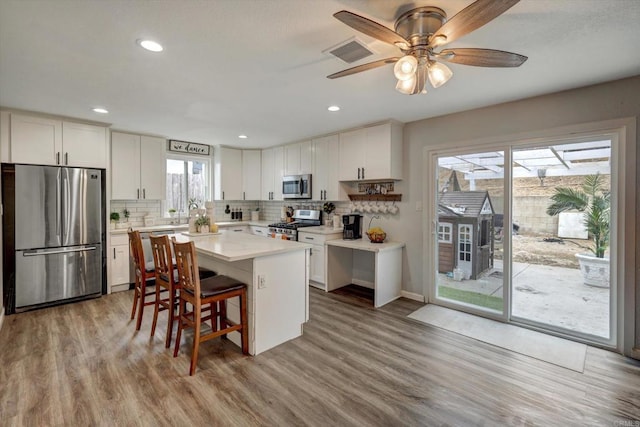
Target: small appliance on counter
[{"x": 352, "y": 227}]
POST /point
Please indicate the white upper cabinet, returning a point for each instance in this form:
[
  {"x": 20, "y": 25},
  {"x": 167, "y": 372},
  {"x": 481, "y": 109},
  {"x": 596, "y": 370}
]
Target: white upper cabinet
[
  {"x": 153, "y": 167},
  {"x": 138, "y": 167},
  {"x": 45, "y": 141},
  {"x": 84, "y": 145},
  {"x": 227, "y": 174},
  {"x": 272, "y": 172},
  {"x": 326, "y": 178},
  {"x": 251, "y": 174},
  {"x": 371, "y": 153},
  {"x": 298, "y": 159}
]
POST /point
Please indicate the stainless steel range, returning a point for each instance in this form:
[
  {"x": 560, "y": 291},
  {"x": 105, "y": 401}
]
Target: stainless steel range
[{"x": 301, "y": 218}]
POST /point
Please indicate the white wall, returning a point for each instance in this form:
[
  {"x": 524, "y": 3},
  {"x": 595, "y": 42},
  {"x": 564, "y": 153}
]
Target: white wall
[{"x": 614, "y": 100}]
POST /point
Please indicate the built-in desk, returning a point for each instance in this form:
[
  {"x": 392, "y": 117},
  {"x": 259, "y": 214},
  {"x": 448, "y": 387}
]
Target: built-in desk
[{"x": 387, "y": 266}]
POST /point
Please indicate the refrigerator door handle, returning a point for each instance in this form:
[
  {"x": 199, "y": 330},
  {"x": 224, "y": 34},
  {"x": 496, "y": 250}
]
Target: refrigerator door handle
[
  {"x": 37, "y": 252},
  {"x": 65, "y": 208},
  {"x": 58, "y": 204}
]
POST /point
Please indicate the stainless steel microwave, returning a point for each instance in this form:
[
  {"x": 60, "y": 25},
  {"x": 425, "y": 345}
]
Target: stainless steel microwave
[{"x": 296, "y": 187}]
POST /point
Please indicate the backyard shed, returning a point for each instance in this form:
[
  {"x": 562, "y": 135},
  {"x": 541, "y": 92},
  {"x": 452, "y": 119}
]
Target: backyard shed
[{"x": 465, "y": 232}]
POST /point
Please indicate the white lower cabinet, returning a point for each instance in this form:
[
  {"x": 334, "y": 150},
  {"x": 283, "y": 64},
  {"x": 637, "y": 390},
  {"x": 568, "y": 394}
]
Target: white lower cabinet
[
  {"x": 118, "y": 262},
  {"x": 260, "y": 231},
  {"x": 234, "y": 228},
  {"x": 318, "y": 260}
]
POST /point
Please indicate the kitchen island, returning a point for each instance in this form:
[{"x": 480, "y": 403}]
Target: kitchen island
[{"x": 276, "y": 273}]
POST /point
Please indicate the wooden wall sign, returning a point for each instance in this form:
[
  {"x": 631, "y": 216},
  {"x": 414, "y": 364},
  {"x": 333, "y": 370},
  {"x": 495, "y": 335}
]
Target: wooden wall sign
[{"x": 189, "y": 147}]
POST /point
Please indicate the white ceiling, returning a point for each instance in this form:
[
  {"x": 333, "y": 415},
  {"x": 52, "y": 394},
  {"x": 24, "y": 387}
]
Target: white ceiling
[{"x": 256, "y": 67}]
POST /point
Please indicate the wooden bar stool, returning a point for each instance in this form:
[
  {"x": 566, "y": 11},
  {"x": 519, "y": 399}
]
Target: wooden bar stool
[
  {"x": 166, "y": 276},
  {"x": 213, "y": 291},
  {"x": 143, "y": 274}
]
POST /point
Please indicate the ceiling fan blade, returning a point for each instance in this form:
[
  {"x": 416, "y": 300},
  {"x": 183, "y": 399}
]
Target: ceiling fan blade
[
  {"x": 372, "y": 29},
  {"x": 470, "y": 18},
  {"x": 481, "y": 57},
  {"x": 363, "y": 67}
]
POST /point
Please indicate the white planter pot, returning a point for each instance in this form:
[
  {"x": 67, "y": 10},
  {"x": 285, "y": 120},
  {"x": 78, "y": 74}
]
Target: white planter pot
[{"x": 595, "y": 271}]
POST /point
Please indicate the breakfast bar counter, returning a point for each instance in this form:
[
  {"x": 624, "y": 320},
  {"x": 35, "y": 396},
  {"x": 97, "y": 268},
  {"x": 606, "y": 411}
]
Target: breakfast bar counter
[
  {"x": 276, "y": 273},
  {"x": 348, "y": 259}
]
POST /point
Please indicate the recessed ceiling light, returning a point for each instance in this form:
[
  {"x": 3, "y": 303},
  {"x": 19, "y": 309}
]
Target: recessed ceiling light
[
  {"x": 150, "y": 45},
  {"x": 243, "y": 136},
  {"x": 101, "y": 110},
  {"x": 334, "y": 108}
]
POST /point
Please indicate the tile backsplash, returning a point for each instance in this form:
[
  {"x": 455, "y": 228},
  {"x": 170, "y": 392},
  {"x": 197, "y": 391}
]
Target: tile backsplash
[{"x": 269, "y": 211}]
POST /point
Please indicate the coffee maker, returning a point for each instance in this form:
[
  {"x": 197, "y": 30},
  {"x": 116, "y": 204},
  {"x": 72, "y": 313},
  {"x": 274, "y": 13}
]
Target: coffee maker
[{"x": 352, "y": 228}]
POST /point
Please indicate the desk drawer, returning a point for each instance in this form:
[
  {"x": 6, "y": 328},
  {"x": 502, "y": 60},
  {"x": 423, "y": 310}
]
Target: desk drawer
[{"x": 317, "y": 239}]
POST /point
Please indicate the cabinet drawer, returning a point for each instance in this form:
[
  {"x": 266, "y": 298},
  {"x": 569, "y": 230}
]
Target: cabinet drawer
[
  {"x": 317, "y": 239},
  {"x": 119, "y": 239}
]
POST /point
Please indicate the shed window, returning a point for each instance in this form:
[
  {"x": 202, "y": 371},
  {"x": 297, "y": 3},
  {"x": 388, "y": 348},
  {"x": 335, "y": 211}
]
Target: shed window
[{"x": 444, "y": 232}]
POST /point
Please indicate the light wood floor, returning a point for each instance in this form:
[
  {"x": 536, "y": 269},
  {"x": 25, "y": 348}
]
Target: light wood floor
[{"x": 83, "y": 364}]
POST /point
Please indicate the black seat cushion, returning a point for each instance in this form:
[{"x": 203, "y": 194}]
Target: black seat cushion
[{"x": 217, "y": 285}]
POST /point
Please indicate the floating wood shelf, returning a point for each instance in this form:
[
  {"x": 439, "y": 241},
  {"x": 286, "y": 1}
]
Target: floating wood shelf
[{"x": 376, "y": 197}]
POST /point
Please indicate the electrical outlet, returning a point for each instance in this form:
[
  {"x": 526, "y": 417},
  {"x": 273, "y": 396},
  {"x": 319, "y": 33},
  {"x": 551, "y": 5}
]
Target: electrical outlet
[{"x": 262, "y": 282}]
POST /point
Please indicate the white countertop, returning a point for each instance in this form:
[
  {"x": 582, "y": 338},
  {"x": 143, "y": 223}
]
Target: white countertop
[
  {"x": 185, "y": 227},
  {"x": 239, "y": 246},
  {"x": 365, "y": 245},
  {"x": 321, "y": 229}
]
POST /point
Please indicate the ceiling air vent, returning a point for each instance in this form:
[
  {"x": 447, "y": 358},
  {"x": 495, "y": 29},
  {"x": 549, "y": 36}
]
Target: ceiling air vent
[{"x": 349, "y": 51}]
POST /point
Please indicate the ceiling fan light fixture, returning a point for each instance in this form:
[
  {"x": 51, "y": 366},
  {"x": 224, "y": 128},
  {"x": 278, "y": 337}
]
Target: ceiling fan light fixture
[
  {"x": 406, "y": 86},
  {"x": 439, "y": 73},
  {"x": 405, "y": 67}
]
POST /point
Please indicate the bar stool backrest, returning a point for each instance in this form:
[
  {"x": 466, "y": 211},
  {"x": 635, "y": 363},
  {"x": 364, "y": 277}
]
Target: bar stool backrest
[
  {"x": 161, "y": 249},
  {"x": 187, "y": 263}
]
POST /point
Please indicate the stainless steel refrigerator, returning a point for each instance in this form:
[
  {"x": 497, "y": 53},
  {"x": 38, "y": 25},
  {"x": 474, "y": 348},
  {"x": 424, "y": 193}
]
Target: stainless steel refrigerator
[{"x": 55, "y": 217}]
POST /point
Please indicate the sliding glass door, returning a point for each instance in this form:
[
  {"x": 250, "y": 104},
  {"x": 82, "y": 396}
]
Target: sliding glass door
[
  {"x": 469, "y": 253},
  {"x": 560, "y": 278},
  {"x": 523, "y": 234}
]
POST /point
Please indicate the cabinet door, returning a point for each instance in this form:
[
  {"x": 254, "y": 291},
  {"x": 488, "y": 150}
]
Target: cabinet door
[
  {"x": 251, "y": 174},
  {"x": 321, "y": 163},
  {"x": 153, "y": 166},
  {"x": 326, "y": 172},
  {"x": 278, "y": 172},
  {"x": 297, "y": 158},
  {"x": 377, "y": 156},
  {"x": 228, "y": 173},
  {"x": 35, "y": 140},
  {"x": 316, "y": 264},
  {"x": 125, "y": 166},
  {"x": 84, "y": 145},
  {"x": 352, "y": 146},
  {"x": 306, "y": 158},
  {"x": 268, "y": 173},
  {"x": 291, "y": 159},
  {"x": 119, "y": 263}
]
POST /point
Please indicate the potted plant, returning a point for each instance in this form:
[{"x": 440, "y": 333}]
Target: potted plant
[
  {"x": 114, "y": 217},
  {"x": 594, "y": 201},
  {"x": 328, "y": 208},
  {"x": 202, "y": 224},
  {"x": 172, "y": 212}
]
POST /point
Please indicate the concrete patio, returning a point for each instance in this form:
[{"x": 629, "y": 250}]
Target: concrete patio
[{"x": 551, "y": 295}]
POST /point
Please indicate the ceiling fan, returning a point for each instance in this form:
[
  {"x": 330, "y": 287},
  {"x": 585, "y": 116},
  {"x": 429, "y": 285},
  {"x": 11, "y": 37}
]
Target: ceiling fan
[{"x": 420, "y": 31}]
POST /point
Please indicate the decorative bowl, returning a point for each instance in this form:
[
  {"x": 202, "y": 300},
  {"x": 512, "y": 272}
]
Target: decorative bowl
[{"x": 377, "y": 237}]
